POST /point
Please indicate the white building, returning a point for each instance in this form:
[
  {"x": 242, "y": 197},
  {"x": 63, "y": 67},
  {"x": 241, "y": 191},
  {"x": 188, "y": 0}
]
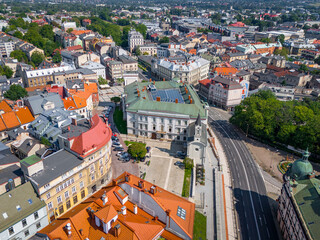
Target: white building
[
  {"x": 134, "y": 39},
  {"x": 96, "y": 67},
  {"x": 3, "y": 24},
  {"x": 67, "y": 25},
  {"x": 22, "y": 213},
  {"x": 6, "y": 48},
  {"x": 190, "y": 70}
]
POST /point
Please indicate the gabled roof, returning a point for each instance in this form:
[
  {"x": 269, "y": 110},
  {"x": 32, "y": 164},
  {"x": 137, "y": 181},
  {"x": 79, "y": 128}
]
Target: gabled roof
[
  {"x": 10, "y": 120},
  {"x": 4, "y": 106},
  {"x": 106, "y": 214},
  {"x": 24, "y": 115}
]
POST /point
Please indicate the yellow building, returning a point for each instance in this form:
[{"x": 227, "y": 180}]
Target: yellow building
[{"x": 67, "y": 176}]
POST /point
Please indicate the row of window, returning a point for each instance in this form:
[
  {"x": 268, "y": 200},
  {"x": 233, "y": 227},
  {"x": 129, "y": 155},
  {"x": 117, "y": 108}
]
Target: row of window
[
  {"x": 25, "y": 223},
  {"x": 68, "y": 202},
  {"x": 171, "y": 121}
]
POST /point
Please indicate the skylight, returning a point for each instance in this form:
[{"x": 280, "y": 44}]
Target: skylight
[
  {"x": 18, "y": 207},
  {"x": 5, "y": 215},
  {"x": 181, "y": 213},
  {"x": 30, "y": 201}
]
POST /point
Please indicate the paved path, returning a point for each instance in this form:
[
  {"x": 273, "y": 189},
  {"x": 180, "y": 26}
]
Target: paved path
[{"x": 252, "y": 204}]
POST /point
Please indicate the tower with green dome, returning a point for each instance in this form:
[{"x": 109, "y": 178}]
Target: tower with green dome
[{"x": 301, "y": 168}]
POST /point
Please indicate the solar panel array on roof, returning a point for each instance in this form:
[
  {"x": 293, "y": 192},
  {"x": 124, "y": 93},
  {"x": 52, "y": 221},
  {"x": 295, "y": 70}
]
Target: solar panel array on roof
[{"x": 167, "y": 95}]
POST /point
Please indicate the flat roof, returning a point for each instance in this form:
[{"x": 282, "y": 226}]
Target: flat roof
[{"x": 30, "y": 160}]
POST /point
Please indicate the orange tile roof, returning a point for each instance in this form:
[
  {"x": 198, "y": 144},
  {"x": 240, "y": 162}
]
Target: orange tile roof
[
  {"x": 133, "y": 226},
  {"x": 82, "y": 94},
  {"x": 24, "y": 115},
  {"x": 79, "y": 32},
  {"x": 91, "y": 87},
  {"x": 10, "y": 120},
  {"x": 193, "y": 51},
  {"x": 226, "y": 71},
  {"x": 69, "y": 103},
  {"x": 4, "y": 106},
  {"x": 31, "y": 89},
  {"x": 2, "y": 126}
]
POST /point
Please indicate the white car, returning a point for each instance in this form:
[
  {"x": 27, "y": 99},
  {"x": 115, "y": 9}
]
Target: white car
[{"x": 119, "y": 154}]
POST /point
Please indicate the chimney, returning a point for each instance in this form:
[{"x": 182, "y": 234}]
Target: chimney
[
  {"x": 114, "y": 182},
  {"x": 81, "y": 231},
  {"x": 74, "y": 122},
  {"x": 189, "y": 97},
  {"x": 117, "y": 230},
  {"x": 176, "y": 100},
  {"x": 153, "y": 190},
  {"x": 164, "y": 79},
  {"x": 141, "y": 184},
  {"x": 104, "y": 198},
  {"x": 150, "y": 80},
  {"x": 124, "y": 210},
  {"x": 135, "y": 209},
  {"x": 138, "y": 94},
  {"x": 158, "y": 99},
  {"x": 127, "y": 177},
  {"x": 190, "y": 101}
]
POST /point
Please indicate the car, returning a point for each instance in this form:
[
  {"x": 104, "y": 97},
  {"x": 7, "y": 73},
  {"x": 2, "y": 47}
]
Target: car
[
  {"x": 148, "y": 149},
  {"x": 116, "y": 143},
  {"x": 178, "y": 163},
  {"x": 114, "y": 138},
  {"x": 143, "y": 159},
  {"x": 118, "y": 148},
  {"x": 119, "y": 154},
  {"x": 181, "y": 154}
]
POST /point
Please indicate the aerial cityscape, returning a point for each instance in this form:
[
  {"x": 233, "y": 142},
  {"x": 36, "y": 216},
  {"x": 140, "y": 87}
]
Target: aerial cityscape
[{"x": 161, "y": 119}]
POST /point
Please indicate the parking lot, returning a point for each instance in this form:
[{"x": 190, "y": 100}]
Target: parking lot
[{"x": 162, "y": 170}]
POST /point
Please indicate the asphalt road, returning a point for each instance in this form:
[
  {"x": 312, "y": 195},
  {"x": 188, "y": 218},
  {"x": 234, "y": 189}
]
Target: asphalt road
[{"x": 251, "y": 203}]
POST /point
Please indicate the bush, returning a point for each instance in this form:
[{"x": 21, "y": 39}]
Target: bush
[
  {"x": 188, "y": 163},
  {"x": 137, "y": 150},
  {"x": 16, "y": 92}
]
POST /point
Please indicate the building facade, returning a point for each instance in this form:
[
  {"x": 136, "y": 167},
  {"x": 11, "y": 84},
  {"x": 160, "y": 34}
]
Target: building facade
[{"x": 135, "y": 39}]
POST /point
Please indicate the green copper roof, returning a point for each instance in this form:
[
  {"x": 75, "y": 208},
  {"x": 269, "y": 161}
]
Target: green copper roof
[
  {"x": 307, "y": 197},
  {"x": 145, "y": 103},
  {"x": 301, "y": 168}
]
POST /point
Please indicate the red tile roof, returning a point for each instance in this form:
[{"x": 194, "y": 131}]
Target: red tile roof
[
  {"x": 10, "y": 120},
  {"x": 87, "y": 142},
  {"x": 24, "y": 115},
  {"x": 74, "y": 48},
  {"x": 4, "y": 106}
]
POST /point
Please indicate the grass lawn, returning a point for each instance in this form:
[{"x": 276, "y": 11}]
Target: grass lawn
[
  {"x": 186, "y": 183},
  {"x": 118, "y": 119},
  {"x": 130, "y": 142},
  {"x": 199, "y": 226}
]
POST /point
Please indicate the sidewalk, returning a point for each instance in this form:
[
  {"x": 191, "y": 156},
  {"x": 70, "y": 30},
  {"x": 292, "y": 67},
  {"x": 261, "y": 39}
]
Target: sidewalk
[{"x": 225, "y": 178}]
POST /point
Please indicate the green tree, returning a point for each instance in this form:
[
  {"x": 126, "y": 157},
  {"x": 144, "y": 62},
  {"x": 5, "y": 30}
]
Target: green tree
[
  {"x": 317, "y": 60},
  {"x": 137, "y": 150},
  {"x": 56, "y": 57},
  {"x": 47, "y": 32},
  {"x": 18, "y": 34},
  {"x": 188, "y": 163},
  {"x": 16, "y": 92},
  {"x": 69, "y": 30},
  {"x": 102, "y": 81},
  {"x": 265, "y": 40},
  {"x": 45, "y": 141},
  {"x": 116, "y": 99},
  {"x": 137, "y": 51},
  {"x": 303, "y": 68},
  {"x": 37, "y": 58},
  {"x": 142, "y": 29},
  {"x": 5, "y": 70},
  {"x": 164, "y": 40},
  {"x": 281, "y": 38},
  {"x": 19, "y": 55}
]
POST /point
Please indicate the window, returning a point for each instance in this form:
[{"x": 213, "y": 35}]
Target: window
[
  {"x": 101, "y": 171},
  {"x": 80, "y": 175},
  {"x": 61, "y": 210},
  {"x": 83, "y": 194},
  {"x": 75, "y": 199},
  {"x": 24, "y": 222},
  {"x": 66, "y": 194},
  {"x": 26, "y": 233},
  {"x": 186, "y": 123},
  {"x": 68, "y": 204},
  {"x": 74, "y": 189},
  {"x": 170, "y": 120},
  {"x": 81, "y": 184},
  {"x": 50, "y": 206},
  {"x": 5, "y": 215},
  {"x": 59, "y": 199},
  {"x": 92, "y": 177},
  {"x": 18, "y": 208},
  {"x": 38, "y": 225},
  {"x": 48, "y": 195},
  {"x": 36, "y": 215},
  {"x": 162, "y": 120},
  {"x": 179, "y": 122},
  {"x": 11, "y": 230}
]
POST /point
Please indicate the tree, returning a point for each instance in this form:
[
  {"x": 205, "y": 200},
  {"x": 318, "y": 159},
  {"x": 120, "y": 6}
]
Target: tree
[
  {"x": 137, "y": 51},
  {"x": 69, "y": 30},
  {"x": 47, "y": 32},
  {"x": 19, "y": 55},
  {"x": 317, "y": 60},
  {"x": 120, "y": 80},
  {"x": 281, "y": 38},
  {"x": 142, "y": 29},
  {"x": 137, "y": 150},
  {"x": 164, "y": 40},
  {"x": 102, "y": 81},
  {"x": 18, "y": 34},
  {"x": 303, "y": 68},
  {"x": 16, "y": 92},
  {"x": 56, "y": 57},
  {"x": 45, "y": 141},
  {"x": 5, "y": 70},
  {"x": 37, "y": 58},
  {"x": 265, "y": 40},
  {"x": 188, "y": 163},
  {"x": 116, "y": 99}
]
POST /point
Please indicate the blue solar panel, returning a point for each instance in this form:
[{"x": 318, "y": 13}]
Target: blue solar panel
[{"x": 167, "y": 95}]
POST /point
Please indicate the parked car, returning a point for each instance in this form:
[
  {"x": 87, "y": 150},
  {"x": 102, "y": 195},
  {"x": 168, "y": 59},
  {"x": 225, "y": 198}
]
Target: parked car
[
  {"x": 143, "y": 159},
  {"x": 178, "y": 163},
  {"x": 114, "y": 138},
  {"x": 148, "y": 149},
  {"x": 118, "y": 148},
  {"x": 116, "y": 143}
]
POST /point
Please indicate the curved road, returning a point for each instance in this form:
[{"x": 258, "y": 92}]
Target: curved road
[{"x": 251, "y": 203}]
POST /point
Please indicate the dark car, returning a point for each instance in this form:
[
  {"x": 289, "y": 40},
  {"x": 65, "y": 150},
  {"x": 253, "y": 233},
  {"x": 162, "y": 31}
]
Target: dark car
[
  {"x": 143, "y": 159},
  {"x": 148, "y": 149},
  {"x": 179, "y": 164},
  {"x": 118, "y": 148}
]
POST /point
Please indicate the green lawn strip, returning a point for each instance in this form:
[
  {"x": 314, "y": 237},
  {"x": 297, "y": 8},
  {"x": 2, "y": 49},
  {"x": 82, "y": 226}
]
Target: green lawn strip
[
  {"x": 130, "y": 142},
  {"x": 199, "y": 226},
  {"x": 118, "y": 119},
  {"x": 186, "y": 182}
]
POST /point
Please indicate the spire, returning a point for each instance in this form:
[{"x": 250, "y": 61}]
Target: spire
[
  {"x": 198, "y": 121},
  {"x": 306, "y": 155}
]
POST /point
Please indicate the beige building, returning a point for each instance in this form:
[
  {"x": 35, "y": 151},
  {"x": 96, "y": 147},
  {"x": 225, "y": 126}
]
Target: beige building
[
  {"x": 67, "y": 176},
  {"x": 149, "y": 49},
  {"x": 81, "y": 73},
  {"x": 115, "y": 69},
  {"x": 129, "y": 64}
]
